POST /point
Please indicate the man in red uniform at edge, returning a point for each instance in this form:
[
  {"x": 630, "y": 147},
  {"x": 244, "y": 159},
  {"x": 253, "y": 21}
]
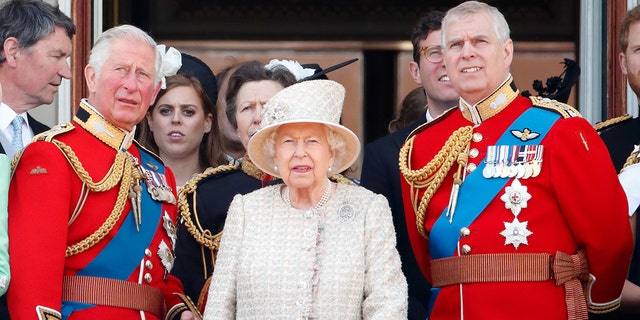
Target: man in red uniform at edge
[
  {"x": 504, "y": 195},
  {"x": 92, "y": 215}
]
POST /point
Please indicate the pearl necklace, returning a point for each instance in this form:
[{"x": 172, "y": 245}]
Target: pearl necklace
[{"x": 323, "y": 200}]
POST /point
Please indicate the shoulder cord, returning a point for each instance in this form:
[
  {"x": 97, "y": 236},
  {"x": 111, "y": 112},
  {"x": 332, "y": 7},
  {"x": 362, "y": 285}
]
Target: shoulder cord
[
  {"x": 201, "y": 235},
  {"x": 609, "y": 122},
  {"x": 633, "y": 158},
  {"x": 120, "y": 172},
  {"x": 433, "y": 173}
]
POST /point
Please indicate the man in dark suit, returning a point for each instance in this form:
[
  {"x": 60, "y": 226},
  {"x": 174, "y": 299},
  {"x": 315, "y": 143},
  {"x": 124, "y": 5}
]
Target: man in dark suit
[
  {"x": 380, "y": 172},
  {"x": 33, "y": 62},
  {"x": 622, "y": 135},
  {"x": 36, "y": 41}
]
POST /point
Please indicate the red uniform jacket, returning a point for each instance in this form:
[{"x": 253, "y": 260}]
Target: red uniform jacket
[
  {"x": 575, "y": 202},
  {"x": 44, "y": 193}
]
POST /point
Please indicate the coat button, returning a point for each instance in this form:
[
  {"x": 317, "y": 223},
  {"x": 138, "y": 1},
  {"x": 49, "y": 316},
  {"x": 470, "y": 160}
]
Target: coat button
[
  {"x": 147, "y": 278},
  {"x": 476, "y": 137},
  {"x": 473, "y": 153},
  {"x": 148, "y": 264},
  {"x": 471, "y": 167},
  {"x": 147, "y": 253},
  {"x": 465, "y": 232},
  {"x": 466, "y": 249}
]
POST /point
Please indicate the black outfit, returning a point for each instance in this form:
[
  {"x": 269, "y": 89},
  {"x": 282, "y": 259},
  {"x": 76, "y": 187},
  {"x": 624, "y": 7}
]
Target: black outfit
[
  {"x": 381, "y": 174},
  {"x": 214, "y": 191},
  {"x": 620, "y": 139}
]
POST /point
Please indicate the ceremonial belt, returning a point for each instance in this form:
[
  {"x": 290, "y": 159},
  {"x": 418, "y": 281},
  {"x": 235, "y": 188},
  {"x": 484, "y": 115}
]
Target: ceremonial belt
[
  {"x": 114, "y": 293},
  {"x": 567, "y": 270}
]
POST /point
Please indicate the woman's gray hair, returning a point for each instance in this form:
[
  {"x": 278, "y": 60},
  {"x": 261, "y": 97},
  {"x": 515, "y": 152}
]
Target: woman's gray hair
[
  {"x": 500, "y": 25},
  {"x": 102, "y": 48},
  {"x": 336, "y": 143}
]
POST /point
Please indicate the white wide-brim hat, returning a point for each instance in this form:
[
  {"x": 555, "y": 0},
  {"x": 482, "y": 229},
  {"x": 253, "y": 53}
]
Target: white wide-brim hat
[{"x": 314, "y": 101}]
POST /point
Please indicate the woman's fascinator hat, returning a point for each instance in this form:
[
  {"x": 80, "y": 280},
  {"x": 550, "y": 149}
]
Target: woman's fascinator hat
[
  {"x": 315, "y": 101},
  {"x": 171, "y": 61}
]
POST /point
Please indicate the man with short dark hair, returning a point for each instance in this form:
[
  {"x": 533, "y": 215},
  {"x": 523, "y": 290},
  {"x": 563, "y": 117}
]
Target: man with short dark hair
[
  {"x": 380, "y": 172},
  {"x": 36, "y": 42},
  {"x": 622, "y": 137}
]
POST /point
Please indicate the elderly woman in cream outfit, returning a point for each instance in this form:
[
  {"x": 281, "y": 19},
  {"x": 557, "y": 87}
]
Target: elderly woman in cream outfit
[{"x": 310, "y": 248}]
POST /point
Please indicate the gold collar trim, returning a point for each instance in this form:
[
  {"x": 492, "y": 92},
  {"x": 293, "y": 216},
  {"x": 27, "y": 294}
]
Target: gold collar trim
[
  {"x": 491, "y": 105},
  {"x": 249, "y": 168},
  {"x": 88, "y": 118}
]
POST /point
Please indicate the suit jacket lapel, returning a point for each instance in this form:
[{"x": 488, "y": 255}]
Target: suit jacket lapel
[{"x": 36, "y": 126}]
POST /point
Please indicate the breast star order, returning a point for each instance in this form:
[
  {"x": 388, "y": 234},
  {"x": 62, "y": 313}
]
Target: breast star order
[
  {"x": 516, "y": 233},
  {"x": 515, "y": 197}
]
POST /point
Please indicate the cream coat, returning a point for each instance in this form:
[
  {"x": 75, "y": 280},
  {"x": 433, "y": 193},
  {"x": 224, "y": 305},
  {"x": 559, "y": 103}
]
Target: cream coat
[{"x": 265, "y": 267}]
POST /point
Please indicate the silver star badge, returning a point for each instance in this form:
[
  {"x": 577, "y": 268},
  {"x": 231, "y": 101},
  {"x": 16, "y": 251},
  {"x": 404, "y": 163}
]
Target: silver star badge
[
  {"x": 516, "y": 233},
  {"x": 515, "y": 197}
]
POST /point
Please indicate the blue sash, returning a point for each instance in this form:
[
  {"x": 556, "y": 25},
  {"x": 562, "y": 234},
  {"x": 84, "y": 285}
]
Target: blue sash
[
  {"x": 120, "y": 258},
  {"x": 476, "y": 192}
]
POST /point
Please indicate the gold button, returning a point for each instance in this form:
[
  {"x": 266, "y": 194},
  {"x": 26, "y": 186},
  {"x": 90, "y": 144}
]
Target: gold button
[
  {"x": 466, "y": 249},
  {"x": 148, "y": 264},
  {"x": 476, "y": 137},
  {"x": 147, "y": 277},
  {"x": 465, "y": 232},
  {"x": 471, "y": 167},
  {"x": 473, "y": 153},
  {"x": 147, "y": 253}
]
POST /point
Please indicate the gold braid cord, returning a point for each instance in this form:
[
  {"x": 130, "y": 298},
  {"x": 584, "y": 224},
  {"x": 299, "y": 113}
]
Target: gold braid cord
[
  {"x": 120, "y": 172},
  {"x": 633, "y": 158},
  {"x": 610, "y": 122},
  {"x": 114, "y": 216},
  {"x": 433, "y": 173},
  {"x": 201, "y": 235},
  {"x": 341, "y": 179},
  {"x": 110, "y": 180}
]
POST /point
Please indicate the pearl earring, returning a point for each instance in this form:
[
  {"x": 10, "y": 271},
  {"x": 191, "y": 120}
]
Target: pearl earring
[
  {"x": 275, "y": 168},
  {"x": 330, "y": 169}
]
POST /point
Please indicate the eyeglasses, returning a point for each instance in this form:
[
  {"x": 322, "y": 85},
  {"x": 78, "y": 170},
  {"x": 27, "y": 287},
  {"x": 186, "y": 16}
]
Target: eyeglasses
[{"x": 433, "y": 54}]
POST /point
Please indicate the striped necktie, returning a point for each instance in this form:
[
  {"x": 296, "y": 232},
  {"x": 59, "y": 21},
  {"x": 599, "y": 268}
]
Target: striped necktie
[{"x": 17, "y": 132}]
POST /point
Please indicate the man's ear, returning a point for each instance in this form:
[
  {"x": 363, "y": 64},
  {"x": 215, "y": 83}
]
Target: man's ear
[
  {"x": 90, "y": 77},
  {"x": 622, "y": 59},
  {"x": 414, "y": 70},
  {"x": 11, "y": 49}
]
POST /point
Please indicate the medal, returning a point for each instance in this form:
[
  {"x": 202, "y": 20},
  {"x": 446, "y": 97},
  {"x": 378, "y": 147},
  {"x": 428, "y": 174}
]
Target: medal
[
  {"x": 527, "y": 171},
  {"x": 489, "y": 168},
  {"x": 515, "y": 198},
  {"x": 536, "y": 164}
]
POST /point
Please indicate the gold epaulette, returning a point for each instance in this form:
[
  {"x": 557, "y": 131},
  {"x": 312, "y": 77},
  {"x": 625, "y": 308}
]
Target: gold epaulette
[
  {"x": 565, "y": 110},
  {"x": 600, "y": 126},
  {"x": 43, "y": 136},
  {"x": 56, "y": 130}
]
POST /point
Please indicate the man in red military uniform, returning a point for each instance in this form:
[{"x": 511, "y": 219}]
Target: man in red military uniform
[
  {"x": 92, "y": 215},
  {"x": 503, "y": 195}
]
